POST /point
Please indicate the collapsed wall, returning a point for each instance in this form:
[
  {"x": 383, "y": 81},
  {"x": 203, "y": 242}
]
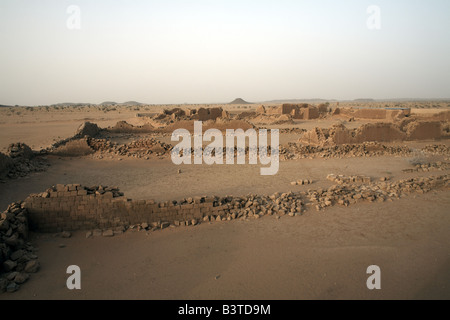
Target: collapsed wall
[
  {"x": 19, "y": 161},
  {"x": 5, "y": 164},
  {"x": 422, "y": 130},
  {"x": 374, "y": 114},
  {"x": 125, "y": 127},
  {"x": 380, "y": 132},
  {"x": 17, "y": 256},
  {"x": 296, "y": 111}
]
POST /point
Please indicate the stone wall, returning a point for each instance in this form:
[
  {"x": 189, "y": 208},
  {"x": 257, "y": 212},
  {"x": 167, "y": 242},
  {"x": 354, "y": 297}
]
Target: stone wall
[
  {"x": 381, "y": 132},
  {"x": 374, "y": 114},
  {"x": 75, "y": 207}
]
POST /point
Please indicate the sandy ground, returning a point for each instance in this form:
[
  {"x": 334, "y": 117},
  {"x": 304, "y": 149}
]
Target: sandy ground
[
  {"x": 321, "y": 255},
  {"x": 159, "y": 179}
]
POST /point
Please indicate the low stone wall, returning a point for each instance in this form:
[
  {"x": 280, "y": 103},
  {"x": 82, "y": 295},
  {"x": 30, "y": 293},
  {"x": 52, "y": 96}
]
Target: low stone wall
[
  {"x": 374, "y": 114},
  {"x": 75, "y": 207}
]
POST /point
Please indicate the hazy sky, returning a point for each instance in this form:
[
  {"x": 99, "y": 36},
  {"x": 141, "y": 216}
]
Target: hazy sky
[{"x": 169, "y": 51}]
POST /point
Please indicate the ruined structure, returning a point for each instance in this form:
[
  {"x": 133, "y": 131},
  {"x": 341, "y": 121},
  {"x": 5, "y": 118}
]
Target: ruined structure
[
  {"x": 296, "y": 111},
  {"x": 380, "y": 132}
]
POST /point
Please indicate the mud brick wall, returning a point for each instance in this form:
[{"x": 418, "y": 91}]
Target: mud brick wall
[{"x": 75, "y": 207}]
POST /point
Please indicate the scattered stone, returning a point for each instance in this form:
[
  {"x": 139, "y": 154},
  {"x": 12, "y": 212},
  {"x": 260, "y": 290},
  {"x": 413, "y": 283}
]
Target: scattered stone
[
  {"x": 32, "y": 266},
  {"x": 164, "y": 225},
  {"x": 12, "y": 287},
  {"x": 17, "y": 254},
  {"x": 88, "y": 234},
  {"x": 21, "y": 277},
  {"x": 108, "y": 233},
  {"x": 65, "y": 234},
  {"x": 3, "y": 284},
  {"x": 9, "y": 265}
]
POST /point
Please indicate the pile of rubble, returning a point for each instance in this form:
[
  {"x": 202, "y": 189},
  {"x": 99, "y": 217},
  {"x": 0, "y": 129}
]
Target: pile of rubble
[
  {"x": 20, "y": 161},
  {"x": 301, "y": 182},
  {"x": 436, "y": 166},
  {"x": 341, "y": 179},
  {"x": 17, "y": 256},
  {"x": 142, "y": 148},
  {"x": 437, "y": 149},
  {"x": 367, "y": 149},
  {"x": 78, "y": 189},
  {"x": 347, "y": 194}
]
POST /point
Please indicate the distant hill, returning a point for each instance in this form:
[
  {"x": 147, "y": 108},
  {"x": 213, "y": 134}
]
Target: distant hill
[
  {"x": 239, "y": 101},
  {"x": 364, "y": 100},
  {"x": 131, "y": 103},
  {"x": 127, "y": 103},
  {"x": 299, "y": 100},
  {"x": 108, "y": 103},
  {"x": 69, "y": 104}
]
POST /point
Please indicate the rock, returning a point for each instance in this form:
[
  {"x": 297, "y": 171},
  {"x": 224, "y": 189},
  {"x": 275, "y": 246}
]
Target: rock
[
  {"x": 144, "y": 225},
  {"x": 331, "y": 177},
  {"x": 20, "y": 150},
  {"x": 13, "y": 240},
  {"x": 218, "y": 218},
  {"x": 17, "y": 254},
  {"x": 4, "y": 225},
  {"x": 3, "y": 284},
  {"x": 88, "y": 234},
  {"x": 9, "y": 265},
  {"x": 165, "y": 225},
  {"x": 108, "y": 233},
  {"x": 11, "y": 276},
  {"x": 293, "y": 183},
  {"x": 155, "y": 224},
  {"x": 21, "y": 277},
  {"x": 194, "y": 222},
  {"x": 97, "y": 233},
  {"x": 12, "y": 287},
  {"x": 32, "y": 266},
  {"x": 65, "y": 234}
]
